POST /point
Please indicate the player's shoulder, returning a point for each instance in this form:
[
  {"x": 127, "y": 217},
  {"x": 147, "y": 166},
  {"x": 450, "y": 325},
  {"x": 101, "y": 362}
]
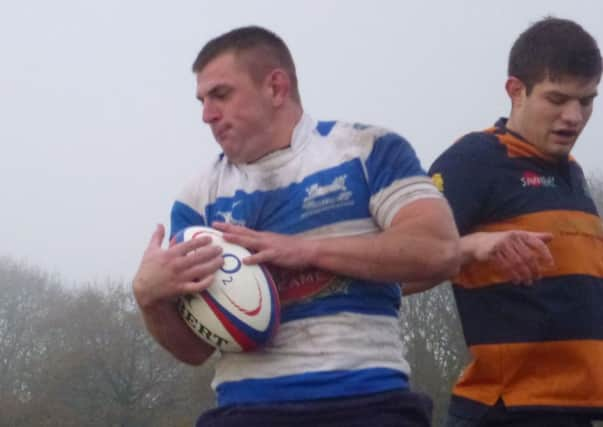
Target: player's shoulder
[
  {"x": 478, "y": 142},
  {"x": 362, "y": 139},
  {"x": 199, "y": 184},
  {"x": 473, "y": 149},
  {"x": 357, "y": 132}
]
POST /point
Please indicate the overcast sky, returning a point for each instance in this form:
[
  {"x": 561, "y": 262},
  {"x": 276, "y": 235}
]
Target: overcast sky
[{"x": 100, "y": 127}]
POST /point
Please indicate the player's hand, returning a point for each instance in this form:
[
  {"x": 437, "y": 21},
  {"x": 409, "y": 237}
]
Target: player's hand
[
  {"x": 522, "y": 256},
  {"x": 183, "y": 268},
  {"x": 273, "y": 248}
]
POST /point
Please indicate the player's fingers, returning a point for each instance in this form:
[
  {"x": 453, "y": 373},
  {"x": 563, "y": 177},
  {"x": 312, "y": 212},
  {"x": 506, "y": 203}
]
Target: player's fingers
[
  {"x": 253, "y": 243},
  {"x": 515, "y": 265},
  {"x": 545, "y": 258},
  {"x": 195, "y": 286},
  {"x": 198, "y": 256},
  {"x": 543, "y": 237},
  {"x": 225, "y": 227},
  {"x": 543, "y": 253},
  {"x": 506, "y": 267},
  {"x": 157, "y": 237},
  {"x": 200, "y": 271},
  {"x": 184, "y": 248},
  {"x": 261, "y": 257},
  {"x": 530, "y": 258}
]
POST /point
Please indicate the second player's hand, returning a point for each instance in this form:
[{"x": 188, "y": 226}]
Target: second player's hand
[
  {"x": 273, "y": 248},
  {"x": 522, "y": 256}
]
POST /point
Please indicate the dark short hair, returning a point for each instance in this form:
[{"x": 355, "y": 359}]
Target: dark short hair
[
  {"x": 260, "y": 49},
  {"x": 554, "y": 48}
]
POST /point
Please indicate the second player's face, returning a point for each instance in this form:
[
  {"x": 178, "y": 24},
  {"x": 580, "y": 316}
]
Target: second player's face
[
  {"x": 237, "y": 108},
  {"x": 553, "y": 115}
]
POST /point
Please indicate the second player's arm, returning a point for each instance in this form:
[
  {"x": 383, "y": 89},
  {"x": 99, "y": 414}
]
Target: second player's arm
[{"x": 520, "y": 255}]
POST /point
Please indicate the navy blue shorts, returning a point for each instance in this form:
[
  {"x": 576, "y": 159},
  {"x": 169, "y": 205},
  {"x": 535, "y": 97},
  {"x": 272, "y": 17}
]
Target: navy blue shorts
[
  {"x": 499, "y": 416},
  {"x": 388, "y": 409}
]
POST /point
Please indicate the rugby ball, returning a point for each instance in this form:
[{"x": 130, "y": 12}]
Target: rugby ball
[{"x": 240, "y": 310}]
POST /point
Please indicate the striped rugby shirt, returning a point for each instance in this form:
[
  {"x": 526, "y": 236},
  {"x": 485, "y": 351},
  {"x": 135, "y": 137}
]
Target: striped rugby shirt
[
  {"x": 339, "y": 336},
  {"x": 537, "y": 347}
]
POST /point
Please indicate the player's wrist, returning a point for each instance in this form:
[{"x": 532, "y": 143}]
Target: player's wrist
[
  {"x": 469, "y": 247},
  {"x": 310, "y": 252}
]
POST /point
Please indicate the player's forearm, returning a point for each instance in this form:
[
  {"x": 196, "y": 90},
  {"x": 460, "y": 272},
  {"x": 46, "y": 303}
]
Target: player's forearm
[
  {"x": 169, "y": 330},
  {"x": 389, "y": 256},
  {"x": 420, "y": 245}
]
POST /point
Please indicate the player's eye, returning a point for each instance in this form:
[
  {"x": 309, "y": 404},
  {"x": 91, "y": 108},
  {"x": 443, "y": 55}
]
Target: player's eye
[
  {"x": 221, "y": 93},
  {"x": 556, "y": 99},
  {"x": 586, "y": 102}
]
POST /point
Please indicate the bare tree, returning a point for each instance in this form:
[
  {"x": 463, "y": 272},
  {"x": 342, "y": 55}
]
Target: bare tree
[
  {"x": 27, "y": 298},
  {"x": 108, "y": 368},
  {"x": 436, "y": 348},
  {"x": 83, "y": 357}
]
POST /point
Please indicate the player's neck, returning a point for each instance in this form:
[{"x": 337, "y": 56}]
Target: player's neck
[
  {"x": 514, "y": 125},
  {"x": 287, "y": 120}
]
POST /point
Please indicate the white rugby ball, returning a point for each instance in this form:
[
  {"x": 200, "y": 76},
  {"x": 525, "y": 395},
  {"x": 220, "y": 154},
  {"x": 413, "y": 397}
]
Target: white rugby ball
[{"x": 240, "y": 310}]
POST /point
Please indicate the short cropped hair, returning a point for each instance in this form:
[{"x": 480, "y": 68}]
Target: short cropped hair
[
  {"x": 554, "y": 48},
  {"x": 260, "y": 50}
]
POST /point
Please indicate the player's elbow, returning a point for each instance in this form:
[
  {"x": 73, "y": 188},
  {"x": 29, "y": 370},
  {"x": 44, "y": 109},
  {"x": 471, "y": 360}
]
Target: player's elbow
[{"x": 447, "y": 261}]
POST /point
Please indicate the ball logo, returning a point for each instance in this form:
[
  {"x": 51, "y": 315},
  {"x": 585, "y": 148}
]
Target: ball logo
[
  {"x": 232, "y": 264},
  {"x": 197, "y": 326}
]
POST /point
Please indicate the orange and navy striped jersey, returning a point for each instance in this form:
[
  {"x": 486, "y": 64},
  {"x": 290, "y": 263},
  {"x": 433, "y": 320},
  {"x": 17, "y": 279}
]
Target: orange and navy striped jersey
[{"x": 537, "y": 347}]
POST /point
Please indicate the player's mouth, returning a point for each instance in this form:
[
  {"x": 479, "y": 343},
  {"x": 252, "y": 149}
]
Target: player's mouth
[
  {"x": 220, "y": 133},
  {"x": 568, "y": 135}
]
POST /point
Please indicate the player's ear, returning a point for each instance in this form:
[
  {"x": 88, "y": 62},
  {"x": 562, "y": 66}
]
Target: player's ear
[
  {"x": 516, "y": 90},
  {"x": 279, "y": 85}
]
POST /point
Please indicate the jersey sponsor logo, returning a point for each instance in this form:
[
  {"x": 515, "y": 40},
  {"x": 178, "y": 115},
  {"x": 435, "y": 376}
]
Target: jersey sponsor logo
[
  {"x": 320, "y": 198},
  {"x": 295, "y": 285},
  {"x": 531, "y": 179}
]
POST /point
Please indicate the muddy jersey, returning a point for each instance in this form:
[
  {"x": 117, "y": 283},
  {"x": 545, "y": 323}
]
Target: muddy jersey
[{"x": 339, "y": 336}]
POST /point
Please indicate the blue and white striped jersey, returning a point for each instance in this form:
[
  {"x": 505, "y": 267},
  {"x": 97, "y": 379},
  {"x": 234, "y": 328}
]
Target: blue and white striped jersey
[{"x": 339, "y": 336}]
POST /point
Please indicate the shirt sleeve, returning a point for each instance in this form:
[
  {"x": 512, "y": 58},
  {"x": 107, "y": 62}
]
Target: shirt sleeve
[
  {"x": 395, "y": 178},
  {"x": 185, "y": 209},
  {"x": 183, "y": 216}
]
